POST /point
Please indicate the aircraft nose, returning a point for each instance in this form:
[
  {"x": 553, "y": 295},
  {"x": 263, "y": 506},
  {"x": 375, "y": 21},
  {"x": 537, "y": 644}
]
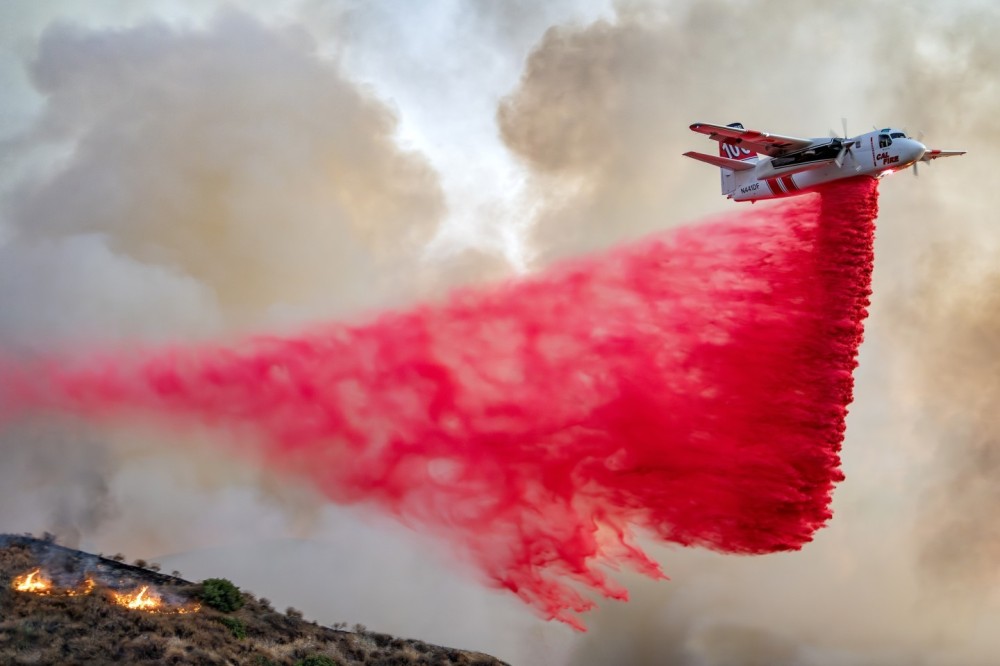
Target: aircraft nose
[{"x": 916, "y": 150}]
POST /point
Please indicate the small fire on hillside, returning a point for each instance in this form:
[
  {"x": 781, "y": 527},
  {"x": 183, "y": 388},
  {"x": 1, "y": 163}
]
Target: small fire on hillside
[
  {"x": 33, "y": 581},
  {"x": 150, "y": 601},
  {"x": 38, "y": 583},
  {"x": 86, "y": 588},
  {"x": 141, "y": 600}
]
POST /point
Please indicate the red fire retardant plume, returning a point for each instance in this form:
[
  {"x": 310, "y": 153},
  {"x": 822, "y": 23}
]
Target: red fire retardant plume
[{"x": 690, "y": 387}]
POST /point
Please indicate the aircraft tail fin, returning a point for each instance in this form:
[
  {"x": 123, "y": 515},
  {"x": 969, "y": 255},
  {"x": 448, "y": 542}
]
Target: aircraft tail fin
[
  {"x": 732, "y": 158},
  {"x": 732, "y": 152}
]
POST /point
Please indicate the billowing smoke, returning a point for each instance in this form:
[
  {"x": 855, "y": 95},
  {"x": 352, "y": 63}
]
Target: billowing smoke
[
  {"x": 693, "y": 386},
  {"x": 231, "y": 156},
  {"x": 955, "y": 387},
  {"x": 55, "y": 479}
]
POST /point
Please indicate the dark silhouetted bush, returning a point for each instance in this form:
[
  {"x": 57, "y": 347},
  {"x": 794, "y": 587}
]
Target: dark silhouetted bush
[{"x": 221, "y": 595}]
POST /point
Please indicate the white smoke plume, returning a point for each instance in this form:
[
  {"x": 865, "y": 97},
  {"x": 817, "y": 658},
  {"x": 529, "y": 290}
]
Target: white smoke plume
[{"x": 233, "y": 156}]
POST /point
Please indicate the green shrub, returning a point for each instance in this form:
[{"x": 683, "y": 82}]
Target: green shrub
[
  {"x": 221, "y": 595},
  {"x": 316, "y": 660},
  {"x": 235, "y": 626}
]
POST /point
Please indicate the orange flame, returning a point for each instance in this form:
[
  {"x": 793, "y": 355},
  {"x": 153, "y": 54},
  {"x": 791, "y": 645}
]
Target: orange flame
[
  {"x": 184, "y": 610},
  {"x": 142, "y": 599},
  {"x": 37, "y": 583},
  {"x": 139, "y": 600},
  {"x": 33, "y": 582},
  {"x": 83, "y": 590},
  {"x": 150, "y": 601}
]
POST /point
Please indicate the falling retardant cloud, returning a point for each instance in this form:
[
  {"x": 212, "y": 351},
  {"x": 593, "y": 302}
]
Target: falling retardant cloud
[{"x": 704, "y": 380}]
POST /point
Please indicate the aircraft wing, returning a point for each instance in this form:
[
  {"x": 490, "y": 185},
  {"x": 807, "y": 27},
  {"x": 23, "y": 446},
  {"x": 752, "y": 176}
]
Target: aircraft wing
[
  {"x": 773, "y": 145},
  {"x": 934, "y": 154}
]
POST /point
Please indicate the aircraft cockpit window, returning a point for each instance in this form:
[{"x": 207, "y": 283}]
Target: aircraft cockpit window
[
  {"x": 897, "y": 135},
  {"x": 884, "y": 141}
]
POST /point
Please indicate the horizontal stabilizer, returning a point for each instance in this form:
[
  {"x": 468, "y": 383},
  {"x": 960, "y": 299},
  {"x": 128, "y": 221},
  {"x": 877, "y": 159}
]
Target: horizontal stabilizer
[
  {"x": 934, "y": 154},
  {"x": 724, "y": 162}
]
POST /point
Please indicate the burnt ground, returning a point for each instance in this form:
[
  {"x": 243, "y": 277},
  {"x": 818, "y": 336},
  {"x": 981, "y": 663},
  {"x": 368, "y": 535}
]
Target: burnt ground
[{"x": 90, "y": 628}]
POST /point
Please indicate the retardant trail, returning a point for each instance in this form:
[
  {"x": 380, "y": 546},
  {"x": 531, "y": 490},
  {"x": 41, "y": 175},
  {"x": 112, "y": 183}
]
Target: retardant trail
[{"x": 692, "y": 386}]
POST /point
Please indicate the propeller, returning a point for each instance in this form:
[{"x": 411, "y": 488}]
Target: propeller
[
  {"x": 920, "y": 139},
  {"x": 845, "y": 144}
]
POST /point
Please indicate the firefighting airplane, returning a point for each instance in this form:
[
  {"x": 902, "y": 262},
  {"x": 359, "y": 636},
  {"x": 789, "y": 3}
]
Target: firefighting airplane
[{"x": 793, "y": 166}]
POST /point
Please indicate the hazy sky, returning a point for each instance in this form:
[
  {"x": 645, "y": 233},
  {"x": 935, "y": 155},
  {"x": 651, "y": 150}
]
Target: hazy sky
[{"x": 153, "y": 186}]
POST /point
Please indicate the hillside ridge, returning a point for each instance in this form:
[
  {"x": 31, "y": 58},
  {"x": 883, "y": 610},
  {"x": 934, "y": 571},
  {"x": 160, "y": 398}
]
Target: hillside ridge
[{"x": 80, "y": 608}]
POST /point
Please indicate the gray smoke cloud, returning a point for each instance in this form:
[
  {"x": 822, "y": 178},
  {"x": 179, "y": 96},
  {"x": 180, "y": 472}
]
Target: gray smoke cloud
[
  {"x": 54, "y": 479},
  {"x": 191, "y": 178},
  {"x": 233, "y": 156},
  {"x": 954, "y": 387}
]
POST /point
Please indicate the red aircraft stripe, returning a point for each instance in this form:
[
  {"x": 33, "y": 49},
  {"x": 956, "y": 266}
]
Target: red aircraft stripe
[
  {"x": 789, "y": 184},
  {"x": 775, "y": 187}
]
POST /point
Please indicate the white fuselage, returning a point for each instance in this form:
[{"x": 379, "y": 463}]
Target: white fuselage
[{"x": 872, "y": 154}]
